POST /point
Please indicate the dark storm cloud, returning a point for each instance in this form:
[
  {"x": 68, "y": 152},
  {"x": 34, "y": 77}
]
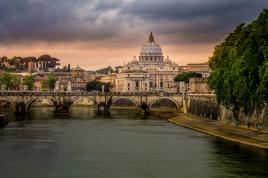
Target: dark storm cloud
[
  {"x": 191, "y": 21},
  {"x": 196, "y": 20},
  {"x": 50, "y": 20}
]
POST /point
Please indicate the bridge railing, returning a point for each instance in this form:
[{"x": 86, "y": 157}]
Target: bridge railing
[{"x": 80, "y": 93}]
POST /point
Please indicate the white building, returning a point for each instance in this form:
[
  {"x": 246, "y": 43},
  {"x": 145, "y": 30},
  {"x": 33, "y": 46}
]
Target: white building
[
  {"x": 202, "y": 68},
  {"x": 151, "y": 60},
  {"x": 132, "y": 81}
]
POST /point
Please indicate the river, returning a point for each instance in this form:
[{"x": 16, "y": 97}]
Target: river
[{"x": 125, "y": 145}]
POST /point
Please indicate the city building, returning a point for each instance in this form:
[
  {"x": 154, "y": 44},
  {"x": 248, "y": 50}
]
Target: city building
[
  {"x": 78, "y": 79},
  {"x": 43, "y": 63},
  {"x": 74, "y": 80},
  {"x": 132, "y": 81},
  {"x": 202, "y": 68},
  {"x": 62, "y": 82},
  {"x": 199, "y": 85},
  {"x": 38, "y": 79},
  {"x": 104, "y": 72},
  {"x": 161, "y": 71},
  {"x": 90, "y": 76},
  {"x": 111, "y": 79}
]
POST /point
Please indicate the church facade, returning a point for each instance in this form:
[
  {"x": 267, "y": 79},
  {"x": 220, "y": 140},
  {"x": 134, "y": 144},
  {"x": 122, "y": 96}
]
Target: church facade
[{"x": 160, "y": 71}]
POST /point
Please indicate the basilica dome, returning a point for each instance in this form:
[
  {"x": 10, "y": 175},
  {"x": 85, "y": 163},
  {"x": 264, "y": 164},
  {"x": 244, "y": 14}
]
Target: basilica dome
[{"x": 150, "y": 48}]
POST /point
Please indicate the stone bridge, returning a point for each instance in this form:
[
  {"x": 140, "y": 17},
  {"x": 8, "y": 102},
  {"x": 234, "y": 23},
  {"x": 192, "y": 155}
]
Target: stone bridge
[{"x": 22, "y": 100}]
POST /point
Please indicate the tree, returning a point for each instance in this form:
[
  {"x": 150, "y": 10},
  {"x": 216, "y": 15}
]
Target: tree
[
  {"x": 184, "y": 77},
  {"x": 29, "y": 81},
  {"x": 239, "y": 67},
  {"x": 97, "y": 86},
  {"x": 11, "y": 81},
  {"x": 49, "y": 83}
]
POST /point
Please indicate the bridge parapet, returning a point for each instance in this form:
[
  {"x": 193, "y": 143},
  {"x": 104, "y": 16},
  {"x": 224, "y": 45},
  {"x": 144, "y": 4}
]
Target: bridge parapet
[{"x": 60, "y": 93}]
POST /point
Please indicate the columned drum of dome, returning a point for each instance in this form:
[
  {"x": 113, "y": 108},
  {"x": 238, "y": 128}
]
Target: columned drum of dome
[{"x": 151, "y": 52}]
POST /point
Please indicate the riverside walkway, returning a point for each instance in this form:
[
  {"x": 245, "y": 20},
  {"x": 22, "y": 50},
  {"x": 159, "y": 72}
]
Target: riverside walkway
[{"x": 224, "y": 131}]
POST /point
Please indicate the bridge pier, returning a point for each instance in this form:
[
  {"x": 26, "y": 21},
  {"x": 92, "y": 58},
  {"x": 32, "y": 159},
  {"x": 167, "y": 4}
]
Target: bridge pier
[
  {"x": 62, "y": 104},
  {"x": 21, "y": 109},
  {"x": 144, "y": 107},
  {"x": 104, "y": 107}
]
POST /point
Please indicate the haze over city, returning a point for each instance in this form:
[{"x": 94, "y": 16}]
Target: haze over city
[{"x": 98, "y": 33}]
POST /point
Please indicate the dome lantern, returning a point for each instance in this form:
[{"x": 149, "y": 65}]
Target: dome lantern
[{"x": 151, "y": 38}]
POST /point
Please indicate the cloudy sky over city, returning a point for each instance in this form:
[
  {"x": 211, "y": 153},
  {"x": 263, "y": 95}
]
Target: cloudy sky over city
[{"x": 98, "y": 33}]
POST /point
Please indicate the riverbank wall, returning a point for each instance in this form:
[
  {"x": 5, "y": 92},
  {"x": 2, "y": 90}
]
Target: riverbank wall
[
  {"x": 223, "y": 131},
  {"x": 208, "y": 108}
]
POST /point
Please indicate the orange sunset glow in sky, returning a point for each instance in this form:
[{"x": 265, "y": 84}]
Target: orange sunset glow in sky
[{"x": 101, "y": 33}]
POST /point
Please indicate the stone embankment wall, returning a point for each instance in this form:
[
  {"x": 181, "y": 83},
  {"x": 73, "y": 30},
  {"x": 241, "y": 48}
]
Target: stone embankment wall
[
  {"x": 204, "y": 108},
  {"x": 208, "y": 108},
  {"x": 256, "y": 121}
]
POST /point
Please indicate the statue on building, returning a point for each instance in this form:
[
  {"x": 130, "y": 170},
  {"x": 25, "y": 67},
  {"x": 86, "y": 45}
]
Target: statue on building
[
  {"x": 69, "y": 86},
  {"x": 3, "y": 87},
  {"x": 102, "y": 88},
  {"x": 57, "y": 86}
]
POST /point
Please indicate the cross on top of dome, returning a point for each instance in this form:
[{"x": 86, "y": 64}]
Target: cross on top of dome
[{"x": 151, "y": 37}]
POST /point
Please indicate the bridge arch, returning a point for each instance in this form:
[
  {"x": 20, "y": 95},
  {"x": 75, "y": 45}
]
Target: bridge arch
[
  {"x": 6, "y": 98},
  {"x": 164, "y": 98},
  {"x": 126, "y": 98},
  {"x": 77, "y": 98},
  {"x": 33, "y": 100}
]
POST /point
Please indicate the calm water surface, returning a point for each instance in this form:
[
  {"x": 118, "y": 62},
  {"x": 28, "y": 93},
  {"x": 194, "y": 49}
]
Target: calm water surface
[{"x": 124, "y": 146}]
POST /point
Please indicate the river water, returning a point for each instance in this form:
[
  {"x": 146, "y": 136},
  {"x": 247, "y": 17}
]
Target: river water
[{"x": 125, "y": 145}]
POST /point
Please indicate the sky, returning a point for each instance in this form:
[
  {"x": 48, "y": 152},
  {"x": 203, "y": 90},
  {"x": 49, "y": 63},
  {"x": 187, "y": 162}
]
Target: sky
[{"x": 101, "y": 33}]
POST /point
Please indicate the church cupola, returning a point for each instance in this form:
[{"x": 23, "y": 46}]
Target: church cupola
[{"x": 151, "y": 38}]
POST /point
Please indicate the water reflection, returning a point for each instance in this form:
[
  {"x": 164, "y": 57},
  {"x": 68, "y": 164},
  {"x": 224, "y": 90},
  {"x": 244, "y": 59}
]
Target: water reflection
[
  {"x": 123, "y": 145},
  {"x": 241, "y": 160}
]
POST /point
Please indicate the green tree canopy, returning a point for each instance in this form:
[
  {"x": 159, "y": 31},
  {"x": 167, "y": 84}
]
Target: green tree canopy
[
  {"x": 11, "y": 81},
  {"x": 240, "y": 67},
  {"x": 29, "y": 81},
  {"x": 97, "y": 86},
  {"x": 184, "y": 77},
  {"x": 49, "y": 83}
]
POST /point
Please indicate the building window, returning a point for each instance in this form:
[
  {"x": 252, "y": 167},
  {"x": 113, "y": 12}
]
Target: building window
[
  {"x": 161, "y": 84},
  {"x": 137, "y": 84}
]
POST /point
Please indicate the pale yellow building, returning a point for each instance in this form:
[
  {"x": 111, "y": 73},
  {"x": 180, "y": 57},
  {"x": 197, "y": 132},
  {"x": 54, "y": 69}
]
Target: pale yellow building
[
  {"x": 202, "y": 68},
  {"x": 132, "y": 81},
  {"x": 199, "y": 85}
]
